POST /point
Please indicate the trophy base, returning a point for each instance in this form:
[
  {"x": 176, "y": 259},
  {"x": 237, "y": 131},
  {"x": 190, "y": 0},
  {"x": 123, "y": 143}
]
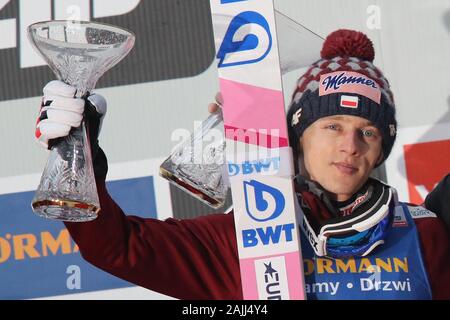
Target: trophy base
[
  {"x": 65, "y": 210},
  {"x": 188, "y": 187}
]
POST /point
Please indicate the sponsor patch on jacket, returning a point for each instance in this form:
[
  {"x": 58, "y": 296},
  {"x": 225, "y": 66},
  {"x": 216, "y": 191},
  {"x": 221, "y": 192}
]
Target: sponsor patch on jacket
[
  {"x": 349, "y": 82},
  {"x": 420, "y": 212},
  {"x": 399, "y": 217}
]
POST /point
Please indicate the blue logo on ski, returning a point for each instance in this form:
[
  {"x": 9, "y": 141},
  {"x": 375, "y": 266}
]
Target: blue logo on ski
[
  {"x": 243, "y": 42},
  {"x": 263, "y": 202}
]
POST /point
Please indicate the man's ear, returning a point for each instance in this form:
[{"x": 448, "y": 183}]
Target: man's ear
[
  {"x": 300, "y": 146},
  {"x": 296, "y": 154},
  {"x": 301, "y": 161}
]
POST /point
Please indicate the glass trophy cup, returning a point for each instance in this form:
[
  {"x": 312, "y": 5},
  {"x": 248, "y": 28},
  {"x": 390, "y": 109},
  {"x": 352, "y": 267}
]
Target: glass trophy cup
[
  {"x": 196, "y": 165},
  {"x": 202, "y": 171},
  {"x": 79, "y": 53}
]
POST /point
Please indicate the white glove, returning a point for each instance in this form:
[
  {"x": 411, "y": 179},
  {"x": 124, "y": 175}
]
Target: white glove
[{"x": 60, "y": 111}]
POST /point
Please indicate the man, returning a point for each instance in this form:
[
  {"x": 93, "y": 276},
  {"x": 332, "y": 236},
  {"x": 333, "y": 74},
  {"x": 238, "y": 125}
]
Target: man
[{"x": 361, "y": 242}]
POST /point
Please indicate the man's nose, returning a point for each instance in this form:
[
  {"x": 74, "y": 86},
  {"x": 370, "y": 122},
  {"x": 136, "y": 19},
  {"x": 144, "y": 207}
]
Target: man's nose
[{"x": 351, "y": 143}]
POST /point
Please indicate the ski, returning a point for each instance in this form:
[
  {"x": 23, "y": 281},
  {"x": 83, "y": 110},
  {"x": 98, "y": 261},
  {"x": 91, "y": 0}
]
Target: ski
[{"x": 258, "y": 154}]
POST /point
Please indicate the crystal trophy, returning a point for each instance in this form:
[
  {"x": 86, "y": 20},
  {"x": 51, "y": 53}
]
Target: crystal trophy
[
  {"x": 79, "y": 53},
  {"x": 196, "y": 165},
  {"x": 193, "y": 171}
]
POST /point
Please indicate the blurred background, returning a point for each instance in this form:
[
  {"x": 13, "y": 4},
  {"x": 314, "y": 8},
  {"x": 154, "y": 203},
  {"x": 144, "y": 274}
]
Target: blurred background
[{"x": 165, "y": 84}]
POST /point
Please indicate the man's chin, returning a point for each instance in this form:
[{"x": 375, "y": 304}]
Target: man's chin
[{"x": 339, "y": 184}]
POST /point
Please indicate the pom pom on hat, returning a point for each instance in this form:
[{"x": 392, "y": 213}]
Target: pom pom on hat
[{"x": 348, "y": 43}]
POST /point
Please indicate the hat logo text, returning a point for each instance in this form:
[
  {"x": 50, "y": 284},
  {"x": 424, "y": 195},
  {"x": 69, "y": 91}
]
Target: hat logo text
[{"x": 336, "y": 81}]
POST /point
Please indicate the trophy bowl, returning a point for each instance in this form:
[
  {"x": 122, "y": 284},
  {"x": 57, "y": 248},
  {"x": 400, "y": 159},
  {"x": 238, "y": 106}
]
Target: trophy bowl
[{"x": 79, "y": 53}]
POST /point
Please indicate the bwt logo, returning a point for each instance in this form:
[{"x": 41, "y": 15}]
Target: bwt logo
[
  {"x": 264, "y": 203},
  {"x": 247, "y": 40},
  {"x": 257, "y": 166},
  {"x": 267, "y": 235},
  {"x": 31, "y": 11}
]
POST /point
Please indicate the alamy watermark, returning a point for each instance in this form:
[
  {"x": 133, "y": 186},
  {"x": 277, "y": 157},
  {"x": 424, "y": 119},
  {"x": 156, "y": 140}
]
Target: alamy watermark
[
  {"x": 73, "y": 281},
  {"x": 208, "y": 146},
  {"x": 373, "y": 21}
]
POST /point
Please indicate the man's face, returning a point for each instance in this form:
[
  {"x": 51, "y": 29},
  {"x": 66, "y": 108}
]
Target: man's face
[{"x": 340, "y": 152}]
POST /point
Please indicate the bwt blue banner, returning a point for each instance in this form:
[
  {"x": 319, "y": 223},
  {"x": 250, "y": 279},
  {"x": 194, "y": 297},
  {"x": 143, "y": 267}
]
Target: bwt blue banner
[{"x": 38, "y": 258}]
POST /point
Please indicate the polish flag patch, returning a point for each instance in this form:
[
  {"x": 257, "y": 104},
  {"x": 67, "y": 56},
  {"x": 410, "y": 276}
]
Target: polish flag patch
[{"x": 349, "y": 101}]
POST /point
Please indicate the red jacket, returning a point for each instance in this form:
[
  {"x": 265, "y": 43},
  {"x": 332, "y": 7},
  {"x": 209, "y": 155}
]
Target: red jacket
[{"x": 197, "y": 258}]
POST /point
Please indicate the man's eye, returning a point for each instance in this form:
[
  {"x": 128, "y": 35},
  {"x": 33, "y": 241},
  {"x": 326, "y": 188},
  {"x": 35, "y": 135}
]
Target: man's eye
[
  {"x": 368, "y": 133},
  {"x": 332, "y": 126}
]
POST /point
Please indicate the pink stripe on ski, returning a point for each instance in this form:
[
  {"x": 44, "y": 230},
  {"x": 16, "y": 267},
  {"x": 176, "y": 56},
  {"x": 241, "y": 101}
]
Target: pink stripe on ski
[
  {"x": 249, "y": 284},
  {"x": 250, "y": 107},
  {"x": 295, "y": 276}
]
